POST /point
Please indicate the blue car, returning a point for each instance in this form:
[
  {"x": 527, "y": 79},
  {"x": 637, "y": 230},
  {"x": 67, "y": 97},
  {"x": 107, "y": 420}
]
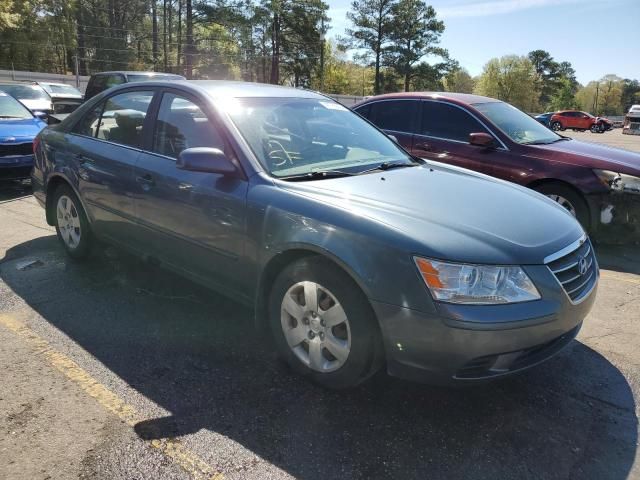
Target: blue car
[
  {"x": 545, "y": 118},
  {"x": 18, "y": 128},
  {"x": 354, "y": 254}
]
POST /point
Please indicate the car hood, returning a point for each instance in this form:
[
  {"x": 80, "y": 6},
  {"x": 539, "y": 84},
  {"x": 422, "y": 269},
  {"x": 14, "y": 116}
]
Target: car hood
[
  {"x": 590, "y": 155},
  {"x": 36, "y": 105},
  {"x": 452, "y": 213},
  {"x": 14, "y": 128}
]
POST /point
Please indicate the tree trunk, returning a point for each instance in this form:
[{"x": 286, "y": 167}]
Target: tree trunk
[
  {"x": 80, "y": 52},
  {"x": 178, "y": 63},
  {"x": 165, "y": 55},
  {"x": 189, "y": 47},
  {"x": 154, "y": 33},
  {"x": 170, "y": 23},
  {"x": 275, "y": 54}
]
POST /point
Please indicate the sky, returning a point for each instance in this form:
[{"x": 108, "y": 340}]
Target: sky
[{"x": 598, "y": 37}]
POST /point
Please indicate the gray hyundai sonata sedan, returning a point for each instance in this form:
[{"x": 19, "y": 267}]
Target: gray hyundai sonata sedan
[{"x": 354, "y": 254}]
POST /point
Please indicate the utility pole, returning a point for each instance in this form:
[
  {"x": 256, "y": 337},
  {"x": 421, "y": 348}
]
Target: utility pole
[
  {"x": 322, "y": 55},
  {"x": 75, "y": 62}
]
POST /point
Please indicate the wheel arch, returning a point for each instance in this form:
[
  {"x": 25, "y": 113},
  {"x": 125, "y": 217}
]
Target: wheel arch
[
  {"x": 277, "y": 262},
  {"x": 53, "y": 183},
  {"x": 534, "y": 185}
]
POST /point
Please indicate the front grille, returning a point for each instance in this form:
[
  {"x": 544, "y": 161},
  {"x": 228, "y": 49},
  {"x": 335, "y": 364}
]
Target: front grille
[
  {"x": 577, "y": 271},
  {"x": 634, "y": 125},
  {"x": 13, "y": 149}
]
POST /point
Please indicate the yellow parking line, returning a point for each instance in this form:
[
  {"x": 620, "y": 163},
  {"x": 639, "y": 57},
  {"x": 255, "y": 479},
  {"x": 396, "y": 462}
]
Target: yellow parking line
[
  {"x": 171, "y": 448},
  {"x": 614, "y": 276}
]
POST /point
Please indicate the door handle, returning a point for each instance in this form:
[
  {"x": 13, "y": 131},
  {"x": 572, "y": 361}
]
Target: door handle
[
  {"x": 423, "y": 146},
  {"x": 184, "y": 186},
  {"x": 146, "y": 180},
  {"x": 82, "y": 160}
]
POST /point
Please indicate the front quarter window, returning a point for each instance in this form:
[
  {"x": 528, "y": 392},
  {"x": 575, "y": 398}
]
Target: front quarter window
[{"x": 298, "y": 136}]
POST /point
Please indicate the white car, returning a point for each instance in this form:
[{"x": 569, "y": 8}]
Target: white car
[{"x": 634, "y": 109}]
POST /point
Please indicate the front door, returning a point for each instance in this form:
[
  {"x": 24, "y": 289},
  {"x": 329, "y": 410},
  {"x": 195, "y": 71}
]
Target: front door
[
  {"x": 444, "y": 137},
  {"x": 194, "y": 221}
]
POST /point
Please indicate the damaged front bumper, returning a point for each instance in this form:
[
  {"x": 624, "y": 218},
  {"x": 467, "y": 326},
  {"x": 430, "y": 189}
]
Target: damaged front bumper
[{"x": 615, "y": 216}]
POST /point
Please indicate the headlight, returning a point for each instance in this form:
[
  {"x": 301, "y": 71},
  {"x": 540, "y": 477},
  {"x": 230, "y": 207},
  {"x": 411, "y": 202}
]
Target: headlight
[
  {"x": 619, "y": 181},
  {"x": 476, "y": 284}
]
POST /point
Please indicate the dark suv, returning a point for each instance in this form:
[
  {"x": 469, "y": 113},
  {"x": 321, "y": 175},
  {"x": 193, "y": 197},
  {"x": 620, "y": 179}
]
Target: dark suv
[
  {"x": 597, "y": 184},
  {"x": 104, "y": 80}
]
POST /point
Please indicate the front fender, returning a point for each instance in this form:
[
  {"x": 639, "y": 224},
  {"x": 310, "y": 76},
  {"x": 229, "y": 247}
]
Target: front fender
[{"x": 372, "y": 254}]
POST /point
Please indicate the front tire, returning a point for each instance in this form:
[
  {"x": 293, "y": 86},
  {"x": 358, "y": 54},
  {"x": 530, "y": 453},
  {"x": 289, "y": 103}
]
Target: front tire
[
  {"x": 323, "y": 325},
  {"x": 556, "y": 126},
  {"x": 72, "y": 226},
  {"x": 571, "y": 200}
]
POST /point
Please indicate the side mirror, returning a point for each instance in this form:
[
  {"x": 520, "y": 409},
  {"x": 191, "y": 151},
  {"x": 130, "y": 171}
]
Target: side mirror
[
  {"x": 392, "y": 137},
  {"x": 481, "y": 139},
  {"x": 205, "y": 159}
]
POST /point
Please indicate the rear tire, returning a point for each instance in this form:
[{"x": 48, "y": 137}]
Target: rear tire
[
  {"x": 72, "y": 226},
  {"x": 323, "y": 325},
  {"x": 569, "y": 199},
  {"x": 556, "y": 126}
]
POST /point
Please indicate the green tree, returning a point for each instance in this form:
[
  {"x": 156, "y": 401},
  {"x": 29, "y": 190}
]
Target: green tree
[
  {"x": 371, "y": 30},
  {"x": 564, "y": 98},
  {"x": 512, "y": 79},
  {"x": 415, "y": 33},
  {"x": 602, "y": 97},
  {"x": 459, "y": 81}
]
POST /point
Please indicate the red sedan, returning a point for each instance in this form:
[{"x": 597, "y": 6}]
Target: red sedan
[
  {"x": 597, "y": 184},
  {"x": 580, "y": 121}
]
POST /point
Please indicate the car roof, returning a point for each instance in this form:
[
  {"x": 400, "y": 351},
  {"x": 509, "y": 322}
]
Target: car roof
[
  {"x": 465, "y": 98},
  {"x": 232, "y": 89},
  {"x": 133, "y": 72}
]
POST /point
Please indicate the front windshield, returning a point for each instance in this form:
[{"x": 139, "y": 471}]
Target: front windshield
[
  {"x": 519, "y": 126},
  {"x": 297, "y": 136},
  {"x": 25, "y": 92},
  {"x": 62, "y": 89},
  {"x": 11, "y": 108}
]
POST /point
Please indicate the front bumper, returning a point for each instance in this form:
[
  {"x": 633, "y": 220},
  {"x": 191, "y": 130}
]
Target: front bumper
[
  {"x": 15, "y": 167},
  {"x": 465, "y": 343}
]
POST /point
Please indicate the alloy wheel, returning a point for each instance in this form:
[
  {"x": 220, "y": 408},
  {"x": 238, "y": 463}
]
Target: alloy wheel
[
  {"x": 563, "y": 202},
  {"x": 315, "y": 327},
  {"x": 68, "y": 222}
]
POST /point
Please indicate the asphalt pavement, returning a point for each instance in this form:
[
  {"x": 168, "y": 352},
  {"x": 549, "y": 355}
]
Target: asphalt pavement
[{"x": 116, "y": 369}]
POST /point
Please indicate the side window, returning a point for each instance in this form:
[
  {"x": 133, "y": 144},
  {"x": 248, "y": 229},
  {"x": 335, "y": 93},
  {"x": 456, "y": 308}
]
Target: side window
[
  {"x": 123, "y": 117},
  {"x": 96, "y": 85},
  {"x": 364, "y": 111},
  {"x": 395, "y": 115},
  {"x": 447, "y": 121},
  {"x": 182, "y": 124},
  {"x": 89, "y": 124},
  {"x": 113, "y": 80}
]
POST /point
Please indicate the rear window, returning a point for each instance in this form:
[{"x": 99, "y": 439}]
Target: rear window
[
  {"x": 25, "y": 92},
  {"x": 147, "y": 78}
]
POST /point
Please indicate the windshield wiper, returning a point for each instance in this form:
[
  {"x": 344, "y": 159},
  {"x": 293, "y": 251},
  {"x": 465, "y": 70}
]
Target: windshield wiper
[
  {"x": 538, "y": 142},
  {"x": 388, "y": 166},
  {"x": 317, "y": 175},
  {"x": 11, "y": 116}
]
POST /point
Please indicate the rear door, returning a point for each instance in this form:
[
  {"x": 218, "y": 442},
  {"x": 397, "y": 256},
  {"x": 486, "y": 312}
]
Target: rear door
[
  {"x": 396, "y": 117},
  {"x": 103, "y": 148},
  {"x": 194, "y": 221},
  {"x": 444, "y": 137}
]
